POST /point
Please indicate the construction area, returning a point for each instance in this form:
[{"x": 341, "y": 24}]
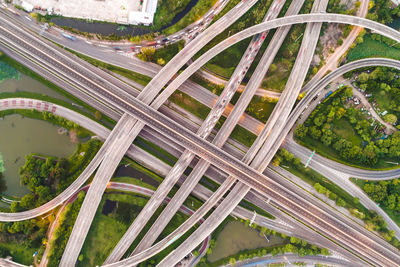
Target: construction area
[{"x": 118, "y": 11}]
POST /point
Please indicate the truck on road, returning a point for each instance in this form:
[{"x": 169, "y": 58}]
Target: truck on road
[
  {"x": 328, "y": 94},
  {"x": 72, "y": 38}
]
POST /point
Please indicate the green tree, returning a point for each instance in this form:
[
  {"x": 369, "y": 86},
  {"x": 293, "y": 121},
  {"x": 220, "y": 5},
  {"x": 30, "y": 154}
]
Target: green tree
[
  {"x": 363, "y": 77},
  {"x": 390, "y": 118},
  {"x": 97, "y": 115},
  {"x": 301, "y": 131},
  {"x": 161, "y": 61}
]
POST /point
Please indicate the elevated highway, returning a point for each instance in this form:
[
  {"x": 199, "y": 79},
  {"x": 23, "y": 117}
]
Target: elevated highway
[
  {"x": 183, "y": 162},
  {"x": 266, "y": 137},
  {"x": 223, "y": 133},
  {"x": 219, "y": 164},
  {"x": 84, "y": 219}
]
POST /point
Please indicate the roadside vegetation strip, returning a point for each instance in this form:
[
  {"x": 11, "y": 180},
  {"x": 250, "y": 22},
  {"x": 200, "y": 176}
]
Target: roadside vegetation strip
[
  {"x": 137, "y": 77},
  {"x": 63, "y": 231},
  {"x": 290, "y": 244},
  {"x": 384, "y": 193},
  {"x": 324, "y": 186}
]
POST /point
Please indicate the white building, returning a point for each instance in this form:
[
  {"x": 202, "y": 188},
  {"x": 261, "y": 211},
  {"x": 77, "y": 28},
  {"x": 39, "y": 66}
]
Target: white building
[
  {"x": 27, "y": 7},
  {"x": 146, "y": 15}
]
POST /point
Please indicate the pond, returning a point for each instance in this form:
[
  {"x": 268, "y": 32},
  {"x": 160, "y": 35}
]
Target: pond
[
  {"x": 128, "y": 171},
  {"x": 236, "y": 237},
  {"x": 28, "y": 84},
  {"x": 21, "y": 136}
]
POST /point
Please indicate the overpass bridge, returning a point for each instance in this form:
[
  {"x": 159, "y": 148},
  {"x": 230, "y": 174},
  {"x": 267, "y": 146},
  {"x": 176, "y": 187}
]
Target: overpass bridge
[{"x": 239, "y": 171}]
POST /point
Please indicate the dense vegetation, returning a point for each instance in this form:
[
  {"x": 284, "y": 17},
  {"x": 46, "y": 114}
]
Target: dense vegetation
[
  {"x": 61, "y": 234},
  {"x": 166, "y": 11},
  {"x": 21, "y": 239},
  {"x": 382, "y": 11},
  {"x": 384, "y": 86},
  {"x": 46, "y": 177},
  {"x": 161, "y": 56},
  {"x": 3, "y": 186},
  {"x": 322, "y": 185},
  {"x": 344, "y": 131}
]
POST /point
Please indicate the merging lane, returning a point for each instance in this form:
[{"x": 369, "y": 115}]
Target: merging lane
[{"x": 237, "y": 170}]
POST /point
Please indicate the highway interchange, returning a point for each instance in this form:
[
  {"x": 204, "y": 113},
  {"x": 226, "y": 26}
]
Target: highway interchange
[{"x": 199, "y": 147}]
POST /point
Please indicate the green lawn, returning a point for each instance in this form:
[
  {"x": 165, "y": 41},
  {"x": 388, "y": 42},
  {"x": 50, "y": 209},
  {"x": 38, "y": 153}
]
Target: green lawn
[
  {"x": 344, "y": 129},
  {"x": 373, "y": 48},
  {"x": 107, "y": 230},
  {"x": 19, "y": 252},
  {"x": 103, "y": 236},
  {"x": 224, "y": 64}
]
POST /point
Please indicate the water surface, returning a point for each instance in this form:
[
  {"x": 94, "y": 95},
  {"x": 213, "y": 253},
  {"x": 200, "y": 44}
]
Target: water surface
[
  {"x": 21, "y": 136},
  {"x": 236, "y": 237}
]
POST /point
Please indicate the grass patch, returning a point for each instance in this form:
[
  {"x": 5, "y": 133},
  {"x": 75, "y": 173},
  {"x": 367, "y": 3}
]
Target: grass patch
[
  {"x": 311, "y": 177},
  {"x": 107, "y": 230},
  {"x": 155, "y": 150},
  {"x": 142, "y": 169},
  {"x": 134, "y": 76},
  {"x": 19, "y": 252},
  {"x": 250, "y": 206},
  {"x": 372, "y": 48},
  {"x": 344, "y": 129}
]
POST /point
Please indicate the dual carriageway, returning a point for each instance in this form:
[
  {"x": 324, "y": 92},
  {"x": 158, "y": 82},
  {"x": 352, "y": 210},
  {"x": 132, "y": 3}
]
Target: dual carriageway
[{"x": 232, "y": 171}]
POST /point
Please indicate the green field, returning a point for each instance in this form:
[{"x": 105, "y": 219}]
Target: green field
[
  {"x": 344, "y": 129},
  {"x": 19, "y": 252},
  {"x": 372, "y": 48}
]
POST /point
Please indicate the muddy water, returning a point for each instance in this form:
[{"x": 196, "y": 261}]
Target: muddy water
[
  {"x": 236, "y": 237},
  {"x": 21, "y": 136}
]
